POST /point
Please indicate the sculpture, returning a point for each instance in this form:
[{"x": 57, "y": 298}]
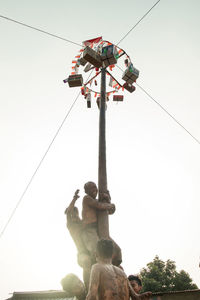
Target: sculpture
[{"x": 84, "y": 232}]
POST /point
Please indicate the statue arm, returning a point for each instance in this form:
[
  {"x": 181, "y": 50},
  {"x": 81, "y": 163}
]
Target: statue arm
[
  {"x": 94, "y": 283},
  {"x": 107, "y": 198},
  {"x": 98, "y": 205},
  {"x": 69, "y": 209},
  {"x": 135, "y": 296}
]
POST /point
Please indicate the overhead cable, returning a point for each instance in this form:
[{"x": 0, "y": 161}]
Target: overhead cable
[
  {"x": 168, "y": 113},
  {"x": 40, "y": 30},
  {"x": 138, "y": 22},
  {"x": 41, "y": 161},
  {"x": 165, "y": 110}
]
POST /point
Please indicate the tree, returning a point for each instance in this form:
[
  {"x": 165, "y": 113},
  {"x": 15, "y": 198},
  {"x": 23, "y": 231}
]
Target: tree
[{"x": 160, "y": 276}]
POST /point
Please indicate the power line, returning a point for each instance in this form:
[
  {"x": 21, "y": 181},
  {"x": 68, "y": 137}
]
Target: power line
[
  {"x": 41, "y": 161},
  {"x": 144, "y": 89},
  {"x": 62, "y": 123},
  {"x": 168, "y": 113},
  {"x": 165, "y": 110},
  {"x": 69, "y": 41},
  {"x": 138, "y": 22},
  {"x": 40, "y": 30}
]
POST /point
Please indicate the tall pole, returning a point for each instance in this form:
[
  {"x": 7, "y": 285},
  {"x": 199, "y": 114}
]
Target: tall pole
[{"x": 103, "y": 224}]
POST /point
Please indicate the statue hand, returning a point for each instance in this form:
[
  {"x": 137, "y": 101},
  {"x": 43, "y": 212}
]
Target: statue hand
[
  {"x": 112, "y": 209},
  {"x": 108, "y": 193},
  {"x": 76, "y": 196},
  {"x": 106, "y": 197}
]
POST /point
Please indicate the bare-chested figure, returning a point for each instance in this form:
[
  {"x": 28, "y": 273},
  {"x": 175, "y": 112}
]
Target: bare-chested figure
[
  {"x": 90, "y": 207},
  {"x": 108, "y": 282}
]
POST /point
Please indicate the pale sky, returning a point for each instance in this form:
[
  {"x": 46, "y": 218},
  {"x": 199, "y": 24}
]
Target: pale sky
[{"x": 152, "y": 163}]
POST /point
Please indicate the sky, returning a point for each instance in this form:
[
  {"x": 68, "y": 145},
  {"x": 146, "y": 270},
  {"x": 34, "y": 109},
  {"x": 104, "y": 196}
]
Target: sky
[{"x": 152, "y": 162}]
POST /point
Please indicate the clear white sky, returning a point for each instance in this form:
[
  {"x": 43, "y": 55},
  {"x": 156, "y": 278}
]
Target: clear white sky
[{"x": 153, "y": 164}]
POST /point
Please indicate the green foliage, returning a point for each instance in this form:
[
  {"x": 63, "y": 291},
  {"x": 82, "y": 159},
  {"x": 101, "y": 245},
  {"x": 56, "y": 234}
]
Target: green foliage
[{"x": 160, "y": 276}]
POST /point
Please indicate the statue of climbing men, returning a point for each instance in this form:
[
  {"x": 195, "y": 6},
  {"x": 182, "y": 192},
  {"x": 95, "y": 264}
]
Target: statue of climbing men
[{"x": 84, "y": 232}]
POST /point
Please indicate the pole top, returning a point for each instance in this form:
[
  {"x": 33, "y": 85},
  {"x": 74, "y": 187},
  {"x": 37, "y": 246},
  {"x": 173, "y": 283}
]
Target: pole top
[{"x": 97, "y": 54}]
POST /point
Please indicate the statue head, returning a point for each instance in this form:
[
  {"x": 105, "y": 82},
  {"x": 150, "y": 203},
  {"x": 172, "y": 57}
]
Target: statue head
[
  {"x": 135, "y": 282},
  {"x": 91, "y": 189},
  {"x": 104, "y": 248},
  {"x": 73, "y": 286}
]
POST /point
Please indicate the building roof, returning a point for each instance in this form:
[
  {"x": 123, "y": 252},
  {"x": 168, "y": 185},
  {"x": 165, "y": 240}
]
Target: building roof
[
  {"x": 61, "y": 295},
  {"x": 176, "y": 292},
  {"x": 43, "y": 295}
]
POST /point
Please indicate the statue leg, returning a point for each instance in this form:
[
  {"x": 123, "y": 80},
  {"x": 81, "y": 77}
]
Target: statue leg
[
  {"x": 84, "y": 262},
  {"x": 86, "y": 277},
  {"x": 90, "y": 239}
]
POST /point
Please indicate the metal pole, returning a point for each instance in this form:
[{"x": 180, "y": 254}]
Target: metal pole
[{"x": 103, "y": 224}]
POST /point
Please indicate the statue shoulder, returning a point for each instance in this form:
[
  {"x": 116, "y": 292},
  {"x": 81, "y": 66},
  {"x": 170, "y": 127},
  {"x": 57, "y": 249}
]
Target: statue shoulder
[{"x": 87, "y": 199}]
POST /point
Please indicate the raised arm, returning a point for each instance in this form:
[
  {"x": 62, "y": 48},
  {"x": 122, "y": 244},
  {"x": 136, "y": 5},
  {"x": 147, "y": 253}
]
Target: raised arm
[
  {"x": 70, "y": 208},
  {"x": 94, "y": 283}
]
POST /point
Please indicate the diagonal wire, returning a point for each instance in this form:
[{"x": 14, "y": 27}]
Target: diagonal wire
[
  {"x": 145, "y": 90},
  {"x": 41, "y": 161},
  {"x": 165, "y": 110},
  {"x": 40, "y": 30},
  {"x": 138, "y": 22},
  {"x": 37, "y": 168},
  {"x": 168, "y": 113}
]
